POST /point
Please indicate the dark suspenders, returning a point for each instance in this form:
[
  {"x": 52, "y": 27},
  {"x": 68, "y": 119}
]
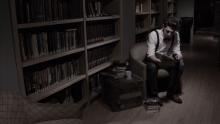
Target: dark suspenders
[
  {"x": 171, "y": 45},
  {"x": 158, "y": 41}
]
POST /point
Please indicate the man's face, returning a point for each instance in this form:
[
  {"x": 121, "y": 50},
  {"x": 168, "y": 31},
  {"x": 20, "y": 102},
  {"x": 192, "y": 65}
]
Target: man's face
[{"x": 168, "y": 32}]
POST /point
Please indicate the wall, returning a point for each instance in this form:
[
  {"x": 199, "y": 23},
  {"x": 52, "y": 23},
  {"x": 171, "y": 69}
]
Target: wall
[
  {"x": 185, "y": 8},
  {"x": 8, "y": 74}
]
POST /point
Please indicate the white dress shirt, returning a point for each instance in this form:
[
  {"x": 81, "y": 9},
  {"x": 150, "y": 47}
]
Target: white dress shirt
[{"x": 163, "y": 46}]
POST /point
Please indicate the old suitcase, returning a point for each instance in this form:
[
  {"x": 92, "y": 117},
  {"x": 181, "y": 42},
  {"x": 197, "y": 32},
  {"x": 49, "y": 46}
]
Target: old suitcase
[{"x": 121, "y": 93}]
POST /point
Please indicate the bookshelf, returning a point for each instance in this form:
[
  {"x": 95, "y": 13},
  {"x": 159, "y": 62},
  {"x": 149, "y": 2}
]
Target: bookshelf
[
  {"x": 61, "y": 45},
  {"x": 156, "y": 13},
  {"x": 171, "y": 8},
  {"x": 142, "y": 16},
  {"x": 148, "y": 16}
]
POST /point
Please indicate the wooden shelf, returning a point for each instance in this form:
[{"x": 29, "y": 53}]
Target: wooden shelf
[
  {"x": 99, "y": 68},
  {"x": 43, "y": 93},
  {"x": 103, "y": 18},
  {"x": 49, "y": 23},
  {"x": 142, "y": 13},
  {"x": 107, "y": 40},
  {"x": 51, "y": 57}
]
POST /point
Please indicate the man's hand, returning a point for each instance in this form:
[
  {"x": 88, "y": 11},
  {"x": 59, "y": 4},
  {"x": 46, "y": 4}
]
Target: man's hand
[
  {"x": 168, "y": 57},
  {"x": 177, "y": 57},
  {"x": 155, "y": 59}
]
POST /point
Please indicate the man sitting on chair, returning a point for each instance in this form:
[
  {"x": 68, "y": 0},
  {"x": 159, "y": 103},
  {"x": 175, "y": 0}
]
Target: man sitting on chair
[{"x": 164, "y": 52}]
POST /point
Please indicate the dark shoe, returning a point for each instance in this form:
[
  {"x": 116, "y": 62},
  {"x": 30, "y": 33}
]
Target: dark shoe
[{"x": 176, "y": 99}]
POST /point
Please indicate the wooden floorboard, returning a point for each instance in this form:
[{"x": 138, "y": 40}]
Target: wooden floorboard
[{"x": 201, "y": 93}]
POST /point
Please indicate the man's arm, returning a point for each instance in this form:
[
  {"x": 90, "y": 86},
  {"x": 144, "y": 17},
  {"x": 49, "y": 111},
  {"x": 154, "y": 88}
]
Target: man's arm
[
  {"x": 177, "y": 55},
  {"x": 151, "y": 46}
]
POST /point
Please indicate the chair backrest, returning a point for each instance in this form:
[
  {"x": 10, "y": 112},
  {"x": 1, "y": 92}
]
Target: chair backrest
[{"x": 138, "y": 51}]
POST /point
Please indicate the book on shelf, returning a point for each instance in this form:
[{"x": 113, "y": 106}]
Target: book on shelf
[
  {"x": 29, "y": 11},
  {"x": 95, "y": 8},
  {"x": 96, "y": 32},
  {"x": 139, "y": 6},
  {"x": 153, "y": 21},
  {"x": 154, "y": 7},
  {"x": 42, "y": 77},
  {"x": 139, "y": 25},
  {"x": 37, "y": 44},
  {"x": 99, "y": 56}
]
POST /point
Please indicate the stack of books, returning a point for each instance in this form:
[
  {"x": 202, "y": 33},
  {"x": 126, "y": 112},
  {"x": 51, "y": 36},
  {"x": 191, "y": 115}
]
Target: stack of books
[
  {"x": 152, "y": 105},
  {"x": 119, "y": 69}
]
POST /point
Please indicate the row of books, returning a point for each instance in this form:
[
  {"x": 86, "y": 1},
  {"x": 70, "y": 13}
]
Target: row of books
[
  {"x": 72, "y": 94},
  {"x": 139, "y": 6},
  {"x": 95, "y": 8},
  {"x": 38, "y": 44},
  {"x": 44, "y": 77},
  {"x": 155, "y": 6},
  {"x": 140, "y": 25},
  {"x": 99, "y": 55},
  {"x": 171, "y": 8},
  {"x": 154, "y": 20},
  {"x": 97, "y": 31},
  {"x": 47, "y": 10}
]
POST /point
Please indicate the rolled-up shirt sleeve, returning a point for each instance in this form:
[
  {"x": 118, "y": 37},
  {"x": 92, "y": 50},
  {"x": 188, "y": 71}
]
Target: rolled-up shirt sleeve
[
  {"x": 176, "y": 45},
  {"x": 151, "y": 44}
]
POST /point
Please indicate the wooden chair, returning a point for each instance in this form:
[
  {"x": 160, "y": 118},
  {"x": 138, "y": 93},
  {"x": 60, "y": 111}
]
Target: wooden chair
[{"x": 138, "y": 67}]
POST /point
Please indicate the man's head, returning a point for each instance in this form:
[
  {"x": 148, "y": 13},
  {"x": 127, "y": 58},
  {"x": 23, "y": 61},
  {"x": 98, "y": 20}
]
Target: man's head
[{"x": 170, "y": 25}]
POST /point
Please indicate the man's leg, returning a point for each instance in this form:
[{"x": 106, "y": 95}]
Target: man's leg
[
  {"x": 151, "y": 98},
  {"x": 151, "y": 86},
  {"x": 175, "y": 87}
]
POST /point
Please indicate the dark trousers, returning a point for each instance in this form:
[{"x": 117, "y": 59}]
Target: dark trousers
[{"x": 174, "y": 86}]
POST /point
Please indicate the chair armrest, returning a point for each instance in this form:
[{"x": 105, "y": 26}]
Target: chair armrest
[{"x": 138, "y": 68}]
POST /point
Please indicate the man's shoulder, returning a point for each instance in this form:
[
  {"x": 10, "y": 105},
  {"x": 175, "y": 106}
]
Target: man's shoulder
[{"x": 153, "y": 32}]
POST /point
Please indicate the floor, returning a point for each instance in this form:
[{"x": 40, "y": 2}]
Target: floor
[{"x": 201, "y": 93}]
